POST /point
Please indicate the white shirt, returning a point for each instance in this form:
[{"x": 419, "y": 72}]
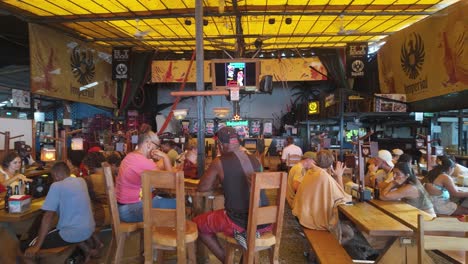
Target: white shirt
[{"x": 291, "y": 150}]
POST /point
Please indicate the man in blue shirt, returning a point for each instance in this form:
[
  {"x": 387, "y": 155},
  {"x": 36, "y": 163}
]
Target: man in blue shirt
[{"x": 68, "y": 197}]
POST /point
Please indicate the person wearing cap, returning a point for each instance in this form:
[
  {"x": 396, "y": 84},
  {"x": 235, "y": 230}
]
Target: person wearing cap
[
  {"x": 379, "y": 168},
  {"x": 290, "y": 149},
  {"x": 128, "y": 181},
  {"x": 396, "y": 153},
  {"x": 233, "y": 169},
  {"x": 296, "y": 175}
]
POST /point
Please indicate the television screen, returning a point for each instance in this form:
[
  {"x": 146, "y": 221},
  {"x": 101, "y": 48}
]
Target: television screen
[
  {"x": 241, "y": 73},
  {"x": 250, "y": 144}
]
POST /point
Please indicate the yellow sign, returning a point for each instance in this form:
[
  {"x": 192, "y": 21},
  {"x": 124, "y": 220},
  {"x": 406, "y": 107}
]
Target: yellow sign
[
  {"x": 429, "y": 58},
  {"x": 66, "y": 68},
  {"x": 314, "y": 107},
  {"x": 280, "y": 69}
]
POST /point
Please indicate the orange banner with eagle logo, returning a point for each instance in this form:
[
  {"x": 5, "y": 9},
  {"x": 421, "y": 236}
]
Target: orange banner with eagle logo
[
  {"x": 69, "y": 69},
  {"x": 297, "y": 69},
  {"x": 429, "y": 58}
]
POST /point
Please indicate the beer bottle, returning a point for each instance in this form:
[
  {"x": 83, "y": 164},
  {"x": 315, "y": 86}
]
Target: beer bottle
[
  {"x": 376, "y": 189},
  {"x": 27, "y": 188},
  {"x": 361, "y": 193},
  {"x": 23, "y": 167},
  {"x": 7, "y": 197}
]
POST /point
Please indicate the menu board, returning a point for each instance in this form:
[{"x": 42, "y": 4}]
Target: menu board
[
  {"x": 255, "y": 126},
  {"x": 209, "y": 128},
  {"x": 195, "y": 127},
  {"x": 267, "y": 128}
]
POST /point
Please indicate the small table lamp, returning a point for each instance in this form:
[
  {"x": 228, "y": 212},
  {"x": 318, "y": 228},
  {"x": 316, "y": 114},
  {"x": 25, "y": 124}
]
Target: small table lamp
[{"x": 48, "y": 154}]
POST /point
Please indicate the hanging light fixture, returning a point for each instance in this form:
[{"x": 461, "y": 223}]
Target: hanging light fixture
[
  {"x": 180, "y": 114},
  {"x": 221, "y": 112}
]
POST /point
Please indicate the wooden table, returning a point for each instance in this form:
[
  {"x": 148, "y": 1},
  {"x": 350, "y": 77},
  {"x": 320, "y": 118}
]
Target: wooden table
[
  {"x": 33, "y": 172},
  {"x": 401, "y": 211},
  {"x": 18, "y": 217},
  {"x": 407, "y": 215},
  {"x": 376, "y": 222}
]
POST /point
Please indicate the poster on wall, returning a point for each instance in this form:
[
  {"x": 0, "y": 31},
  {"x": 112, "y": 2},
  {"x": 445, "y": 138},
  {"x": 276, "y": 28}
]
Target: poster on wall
[
  {"x": 429, "y": 58},
  {"x": 356, "y": 57},
  {"x": 21, "y": 98},
  {"x": 67, "y": 68},
  {"x": 121, "y": 62},
  {"x": 210, "y": 127},
  {"x": 267, "y": 128},
  {"x": 255, "y": 128}
]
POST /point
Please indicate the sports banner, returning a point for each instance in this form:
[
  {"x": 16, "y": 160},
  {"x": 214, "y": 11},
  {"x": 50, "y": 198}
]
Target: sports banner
[
  {"x": 121, "y": 62},
  {"x": 356, "y": 57},
  {"x": 69, "y": 69},
  {"x": 281, "y": 70},
  {"x": 429, "y": 58}
]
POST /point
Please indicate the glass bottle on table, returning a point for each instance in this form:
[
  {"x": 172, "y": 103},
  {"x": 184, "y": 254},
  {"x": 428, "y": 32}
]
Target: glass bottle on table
[
  {"x": 376, "y": 189},
  {"x": 7, "y": 197}
]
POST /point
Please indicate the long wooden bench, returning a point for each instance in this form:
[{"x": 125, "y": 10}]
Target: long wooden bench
[{"x": 326, "y": 247}]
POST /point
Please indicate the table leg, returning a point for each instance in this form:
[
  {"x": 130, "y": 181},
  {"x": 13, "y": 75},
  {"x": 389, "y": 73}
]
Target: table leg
[
  {"x": 394, "y": 254},
  {"x": 200, "y": 207},
  {"x": 403, "y": 252}
]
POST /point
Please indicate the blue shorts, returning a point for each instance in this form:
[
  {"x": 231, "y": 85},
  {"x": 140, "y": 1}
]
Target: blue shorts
[{"x": 133, "y": 213}]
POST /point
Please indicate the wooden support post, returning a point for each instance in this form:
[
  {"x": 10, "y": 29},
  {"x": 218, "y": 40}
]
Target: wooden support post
[
  {"x": 7, "y": 142},
  {"x": 199, "y": 93},
  {"x": 428, "y": 153}
]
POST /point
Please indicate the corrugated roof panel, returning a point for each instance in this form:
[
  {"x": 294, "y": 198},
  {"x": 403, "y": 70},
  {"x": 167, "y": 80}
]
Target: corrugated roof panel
[
  {"x": 362, "y": 2},
  {"x": 305, "y": 24},
  {"x": 322, "y": 23},
  {"x": 339, "y": 2}
]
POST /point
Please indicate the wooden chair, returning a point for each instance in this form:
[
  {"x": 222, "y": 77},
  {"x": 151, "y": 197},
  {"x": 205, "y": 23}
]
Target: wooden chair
[
  {"x": 120, "y": 230},
  {"x": 440, "y": 240},
  {"x": 167, "y": 229},
  {"x": 272, "y": 214},
  {"x": 292, "y": 159}
]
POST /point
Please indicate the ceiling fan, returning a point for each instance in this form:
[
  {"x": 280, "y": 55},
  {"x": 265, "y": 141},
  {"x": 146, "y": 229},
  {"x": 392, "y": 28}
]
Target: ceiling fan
[
  {"x": 342, "y": 30},
  {"x": 139, "y": 34}
]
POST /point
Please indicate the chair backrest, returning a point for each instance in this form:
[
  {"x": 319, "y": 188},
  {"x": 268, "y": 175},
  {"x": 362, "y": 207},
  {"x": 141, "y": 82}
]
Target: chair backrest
[
  {"x": 155, "y": 217},
  {"x": 271, "y": 214},
  {"x": 293, "y": 159},
  {"x": 115, "y": 217},
  {"x": 438, "y": 238}
]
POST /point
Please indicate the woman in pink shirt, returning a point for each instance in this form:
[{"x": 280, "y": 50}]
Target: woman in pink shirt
[{"x": 128, "y": 183}]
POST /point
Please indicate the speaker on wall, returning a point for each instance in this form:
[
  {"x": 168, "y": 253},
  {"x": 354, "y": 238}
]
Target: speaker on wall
[{"x": 266, "y": 84}]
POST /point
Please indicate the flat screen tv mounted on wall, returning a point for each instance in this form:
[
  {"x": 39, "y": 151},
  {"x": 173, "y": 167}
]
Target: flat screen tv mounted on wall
[{"x": 242, "y": 73}]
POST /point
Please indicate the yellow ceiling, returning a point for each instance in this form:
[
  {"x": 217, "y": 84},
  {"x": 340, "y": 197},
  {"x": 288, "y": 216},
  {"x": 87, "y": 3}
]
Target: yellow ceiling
[{"x": 164, "y": 24}]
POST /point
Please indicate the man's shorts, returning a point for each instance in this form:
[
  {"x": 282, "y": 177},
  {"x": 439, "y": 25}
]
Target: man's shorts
[{"x": 218, "y": 221}]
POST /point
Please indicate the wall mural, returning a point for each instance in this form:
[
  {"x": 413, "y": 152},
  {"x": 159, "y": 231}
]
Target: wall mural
[
  {"x": 69, "y": 69},
  {"x": 281, "y": 69},
  {"x": 429, "y": 58}
]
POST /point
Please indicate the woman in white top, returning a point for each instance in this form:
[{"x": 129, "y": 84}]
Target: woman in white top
[{"x": 10, "y": 166}]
